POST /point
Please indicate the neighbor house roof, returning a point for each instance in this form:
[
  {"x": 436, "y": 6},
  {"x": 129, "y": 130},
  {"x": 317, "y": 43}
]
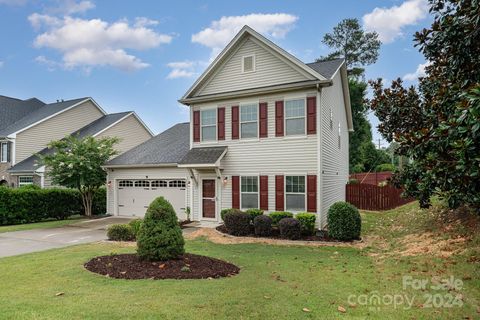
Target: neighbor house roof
[
  {"x": 30, "y": 164},
  {"x": 40, "y": 114},
  {"x": 168, "y": 147},
  {"x": 327, "y": 68},
  {"x": 13, "y": 109},
  {"x": 203, "y": 156}
]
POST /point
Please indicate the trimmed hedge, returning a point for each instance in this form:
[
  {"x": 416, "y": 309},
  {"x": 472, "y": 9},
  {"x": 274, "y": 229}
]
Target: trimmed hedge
[
  {"x": 120, "y": 232},
  {"x": 135, "y": 224},
  {"x": 262, "y": 225},
  {"x": 30, "y": 204},
  {"x": 279, "y": 215},
  {"x": 344, "y": 221},
  {"x": 254, "y": 213},
  {"x": 307, "y": 222},
  {"x": 238, "y": 223},
  {"x": 224, "y": 212},
  {"x": 290, "y": 228}
]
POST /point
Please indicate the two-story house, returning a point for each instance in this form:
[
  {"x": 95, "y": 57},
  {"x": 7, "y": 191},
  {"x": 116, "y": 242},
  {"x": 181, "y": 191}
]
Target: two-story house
[
  {"x": 266, "y": 131},
  {"x": 27, "y": 126}
]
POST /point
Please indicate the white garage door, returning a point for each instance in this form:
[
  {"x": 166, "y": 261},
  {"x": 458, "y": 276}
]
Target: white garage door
[{"x": 134, "y": 196}]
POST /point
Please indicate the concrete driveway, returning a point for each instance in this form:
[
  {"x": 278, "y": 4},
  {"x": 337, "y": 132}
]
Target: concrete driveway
[{"x": 20, "y": 242}]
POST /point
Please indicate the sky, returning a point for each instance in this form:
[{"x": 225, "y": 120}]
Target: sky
[{"x": 144, "y": 55}]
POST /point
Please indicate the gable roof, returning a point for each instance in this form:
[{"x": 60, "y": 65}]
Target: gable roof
[
  {"x": 203, "y": 156},
  {"x": 92, "y": 129},
  {"x": 13, "y": 109},
  {"x": 247, "y": 31},
  {"x": 42, "y": 113},
  {"x": 327, "y": 68},
  {"x": 166, "y": 148}
]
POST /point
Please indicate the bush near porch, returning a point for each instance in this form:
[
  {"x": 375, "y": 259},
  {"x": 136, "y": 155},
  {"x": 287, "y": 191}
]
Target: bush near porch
[{"x": 28, "y": 205}]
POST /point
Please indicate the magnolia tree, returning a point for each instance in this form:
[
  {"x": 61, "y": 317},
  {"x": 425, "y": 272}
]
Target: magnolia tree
[{"x": 76, "y": 163}]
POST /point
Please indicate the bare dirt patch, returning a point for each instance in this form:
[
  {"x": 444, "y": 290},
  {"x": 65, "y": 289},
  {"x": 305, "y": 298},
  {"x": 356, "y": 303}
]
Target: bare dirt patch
[
  {"x": 429, "y": 243},
  {"x": 188, "y": 266}
]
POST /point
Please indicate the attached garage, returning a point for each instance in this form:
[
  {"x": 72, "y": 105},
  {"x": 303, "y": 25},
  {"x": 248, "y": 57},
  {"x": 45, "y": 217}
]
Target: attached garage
[{"x": 134, "y": 196}]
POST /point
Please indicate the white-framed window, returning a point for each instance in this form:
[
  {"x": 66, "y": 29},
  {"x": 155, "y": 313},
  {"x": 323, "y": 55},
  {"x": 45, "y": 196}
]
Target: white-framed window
[
  {"x": 249, "y": 121},
  {"x": 177, "y": 184},
  {"x": 339, "y": 136},
  {"x": 25, "y": 180},
  {"x": 159, "y": 184},
  {"x": 125, "y": 183},
  {"x": 295, "y": 193},
  {"x": 249, "y": 192},
  {"x": 295, "y": 117},
  {"x": 4, "y": 152},
  {"x": 208, "y": 120},
  {"x": 142, "y": 184},
  {"x": 248, "y": 63}
]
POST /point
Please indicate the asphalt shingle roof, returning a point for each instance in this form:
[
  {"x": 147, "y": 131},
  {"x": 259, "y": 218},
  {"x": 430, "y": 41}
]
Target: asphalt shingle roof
[
  {"x": 37, "y": 114},
  {"x": 326, "y": 68},
  {"x": 204, "y": 155},
  {"x": 169, "y": 146},
  {"x": 30, "y": 164},
  {"x": 12, "y": 109}
]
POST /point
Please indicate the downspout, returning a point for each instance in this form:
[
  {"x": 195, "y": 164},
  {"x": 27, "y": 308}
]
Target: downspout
[{"x": 319, "y": 156}]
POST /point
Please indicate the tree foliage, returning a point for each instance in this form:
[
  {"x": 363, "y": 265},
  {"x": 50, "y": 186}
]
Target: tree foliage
[
  {"x": 76, "y": 163},
  {"x": 350, "y": 41},
  {"x": 437, "y": 125}
]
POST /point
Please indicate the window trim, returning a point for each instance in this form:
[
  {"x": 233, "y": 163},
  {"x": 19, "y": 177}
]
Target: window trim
[
  {"x": 1, "y": 152},
  {"x": 253, "y": 63},
  {"x": 285, "y": 192},
  {"x": 240, "y": 122},
  {"x": 257, "y": 193},
  {"x": 304, "y": 98},
  {"x": 21, "y": 184},
  {"x": 209, "y": 125}
]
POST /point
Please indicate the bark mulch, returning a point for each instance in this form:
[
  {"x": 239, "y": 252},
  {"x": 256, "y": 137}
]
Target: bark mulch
[{"x": 189, "y": 266}]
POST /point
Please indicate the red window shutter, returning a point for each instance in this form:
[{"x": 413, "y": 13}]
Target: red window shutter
[
  {"x": 236, "y": 192},
  {"x": 235, "y": 122},
  {"x": 312, "y": 193},
  {"x": 264, "y": 193},
  {"x": 263, "y": 123},
  {"x": 279, "y": 193},
  {"x": 279, "y": 118},
  {"x": 196, "y": 126},
  {"x": 221, "y": 123},
  {"x": 311, "y": 115}
]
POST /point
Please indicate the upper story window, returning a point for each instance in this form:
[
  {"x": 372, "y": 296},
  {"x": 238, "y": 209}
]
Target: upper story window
[
  {"x": 295, "y": 193},
  {"x": 295, "y": 117},
  {"x": 249, "y": 192},
  {"x": 209, "y": 124},
  {"x": 248, "y": 63},
  {"x": 249, "y": 121},
  {"x": 4, "y": 152}
]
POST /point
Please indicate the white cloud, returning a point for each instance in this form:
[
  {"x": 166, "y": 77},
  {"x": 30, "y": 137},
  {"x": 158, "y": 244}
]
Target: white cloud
[
  {"x": 50, "y": 64},
  {"x": 389, "y": 22},
  {"x": 145, "y": 22},
  {"x": 222, "y": 31},
  {"x": 68, "y": 7},
  {"x": 91, "y": 43},
  {"x": 182, "y": 69},
  {"x": 420, "y": 72}
]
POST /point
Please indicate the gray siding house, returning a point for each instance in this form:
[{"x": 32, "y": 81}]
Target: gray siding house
[
  {"x": 27, "y": 126},
  {"x": 266, "y": 131}
]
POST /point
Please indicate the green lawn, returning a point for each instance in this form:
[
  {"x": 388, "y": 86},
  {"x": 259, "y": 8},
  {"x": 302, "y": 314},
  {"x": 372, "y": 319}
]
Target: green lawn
[
  {"x": 274, "y": 282},
  {"x": 40, "y": 225}
]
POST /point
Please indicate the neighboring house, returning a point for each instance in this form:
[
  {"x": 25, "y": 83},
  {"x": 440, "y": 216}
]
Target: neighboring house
[
  {"x": 266, "y": 131},
  {"x": 27, "y": 126}
]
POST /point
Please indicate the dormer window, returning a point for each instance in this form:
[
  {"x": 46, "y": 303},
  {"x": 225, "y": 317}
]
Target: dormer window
[{"x": 248, "y": 63}]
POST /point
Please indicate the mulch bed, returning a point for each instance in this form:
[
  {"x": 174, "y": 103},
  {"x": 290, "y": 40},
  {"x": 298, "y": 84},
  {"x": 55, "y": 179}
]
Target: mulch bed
[
  {"x": 276, "y": 235},
  {"x": 189, "y": 266}
]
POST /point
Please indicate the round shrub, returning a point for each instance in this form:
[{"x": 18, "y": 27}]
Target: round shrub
[
  {"x": 262, "y": 225},
  {"x": 160, "y": 236},
  {"x": 344, "y": 221},
  {"x": 279, "y": 215},
  {"x": 224, "y": 212},
  {"x": 135, "y": 225},
  {"x": 238, "y": 223},
  {"x": 254, "y": 213},
  {"x": 290, "y": 228},
  {"x": 307, "y": 222},
  {"x": 120, "y": 232}
]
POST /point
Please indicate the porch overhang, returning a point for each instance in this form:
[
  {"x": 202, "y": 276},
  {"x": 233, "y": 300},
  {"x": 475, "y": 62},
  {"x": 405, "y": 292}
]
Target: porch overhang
[{"x": 203, "y": 158}]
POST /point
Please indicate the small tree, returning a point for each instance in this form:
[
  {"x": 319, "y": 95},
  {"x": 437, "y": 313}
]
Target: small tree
[{"x": 76, "y": 163}]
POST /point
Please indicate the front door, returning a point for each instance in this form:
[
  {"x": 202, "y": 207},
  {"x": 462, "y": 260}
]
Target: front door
[{"x": 208, "y": 198}]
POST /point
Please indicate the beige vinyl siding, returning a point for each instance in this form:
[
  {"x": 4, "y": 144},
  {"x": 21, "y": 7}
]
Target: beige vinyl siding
[
  {"x": 288, "y": 155},
  {"x": 142, "y": 173},
  {"x": 270, "y": 69},
  {"x": 334, "y": 160},
  {"x": 130, "y": 132},
  {"x": 37, "y": 137}
]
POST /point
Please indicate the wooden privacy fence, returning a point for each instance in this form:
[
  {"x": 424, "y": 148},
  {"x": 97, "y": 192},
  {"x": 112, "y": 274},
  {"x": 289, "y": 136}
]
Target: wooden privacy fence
[{"x": 371, "y": 197}]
